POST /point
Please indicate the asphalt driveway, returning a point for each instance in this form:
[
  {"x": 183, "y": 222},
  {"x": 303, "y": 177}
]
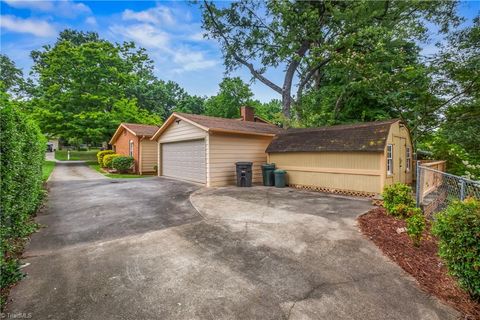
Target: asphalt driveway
[{"x": 139, "y": 249}]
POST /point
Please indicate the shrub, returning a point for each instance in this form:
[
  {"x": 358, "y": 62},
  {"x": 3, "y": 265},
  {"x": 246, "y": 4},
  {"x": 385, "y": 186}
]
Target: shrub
[
  {"x": 122, "y": 164},
  {"x": 22, "y": 149},
  {"x": 458, "y": 230},
  {"x": 102, "y": 154},
  {"x": 398, "y": 200},
  {"x": 415, "y": 225},
  {"x": 107, "y": 160}
]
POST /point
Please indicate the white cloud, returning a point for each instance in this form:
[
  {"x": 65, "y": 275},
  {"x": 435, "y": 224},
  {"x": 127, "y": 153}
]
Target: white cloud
[
  {"x": 157, "y": 15},
  {"x": 192, "y": 61},
  {"x": 38, "y": 28},
  {"x": 65, "y": 8},
  {"x": 91, "y": 21},
  {"x": 144, "y": 34}
]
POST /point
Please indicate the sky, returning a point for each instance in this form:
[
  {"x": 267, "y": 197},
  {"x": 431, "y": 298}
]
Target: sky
[{"x": 169, "y": 30}]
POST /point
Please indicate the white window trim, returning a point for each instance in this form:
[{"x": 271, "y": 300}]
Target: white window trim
[
  {"x": 130, "y": 148},
  {"x": 390, "y": 160},
  {"x": 408, "y": 158}
]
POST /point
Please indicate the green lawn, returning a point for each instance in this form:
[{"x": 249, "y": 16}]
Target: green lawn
[
  {"x": 47, "y": 169},
  {"x": 90, "y": 155},
  {"x": 96, "y": 167}
]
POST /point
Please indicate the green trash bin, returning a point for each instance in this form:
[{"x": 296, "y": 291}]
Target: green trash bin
[
  {"x": 280, "y": 181},
  {"x": 267, "y": 174}
]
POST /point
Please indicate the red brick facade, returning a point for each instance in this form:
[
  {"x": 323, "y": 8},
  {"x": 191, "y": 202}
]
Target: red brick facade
[{"x": 121, "y": 146}]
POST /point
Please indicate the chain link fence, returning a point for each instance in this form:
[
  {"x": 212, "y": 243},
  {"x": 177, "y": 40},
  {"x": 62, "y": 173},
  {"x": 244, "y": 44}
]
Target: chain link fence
[{"x": 436, "y": 189}]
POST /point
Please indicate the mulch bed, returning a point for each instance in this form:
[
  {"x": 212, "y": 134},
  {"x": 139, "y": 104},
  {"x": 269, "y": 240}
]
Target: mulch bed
[{"x": 421, "y": 262}]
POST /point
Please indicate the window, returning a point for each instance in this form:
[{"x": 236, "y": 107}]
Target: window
[
  {"x": 409, "y": 158},
  {"x": 130, "y": 148},
  {"x": 390, "y": 159}
]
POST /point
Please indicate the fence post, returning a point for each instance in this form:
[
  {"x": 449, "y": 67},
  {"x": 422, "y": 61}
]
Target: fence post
[
  {"x": 462, "y": 189},
  {"x": 417, "y": 185}
]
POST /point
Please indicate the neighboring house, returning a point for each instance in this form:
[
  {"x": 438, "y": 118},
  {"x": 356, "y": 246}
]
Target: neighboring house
[
  {"x": 133, "y": 140},
  {"x": 52, "y": 145},
  {"x": 204, "y": 149},
  {"x": 357, "y": 159}
]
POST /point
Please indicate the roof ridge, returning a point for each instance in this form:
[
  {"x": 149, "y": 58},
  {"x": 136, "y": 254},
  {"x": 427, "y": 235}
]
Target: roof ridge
[{"x": 342, "y": 126}]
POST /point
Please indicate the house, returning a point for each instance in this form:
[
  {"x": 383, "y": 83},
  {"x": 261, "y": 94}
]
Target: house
[
  {"x": 358, "y": 159},
  {"x": 204, "y": 149},
  {"x": 133, "y": 140}
]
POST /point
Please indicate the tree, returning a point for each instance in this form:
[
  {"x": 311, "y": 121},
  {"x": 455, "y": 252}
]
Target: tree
[
  {"x": 11, "y": 78},
  {"x": 305, "y": 38},
  {"x": 233, "y": 94},
  {"x": 82, "y": 86}
]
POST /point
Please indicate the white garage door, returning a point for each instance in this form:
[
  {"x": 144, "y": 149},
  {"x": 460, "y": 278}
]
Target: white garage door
[{"x": 184, "y": 160}]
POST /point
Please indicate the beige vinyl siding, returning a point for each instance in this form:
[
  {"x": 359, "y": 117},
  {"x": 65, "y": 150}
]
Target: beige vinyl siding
[
  {"x": 356, "y": 171},
  {"x": 226, "y": 149},
  {"x": 148, "y": 156},
  {"x": 182, "y": 131}
]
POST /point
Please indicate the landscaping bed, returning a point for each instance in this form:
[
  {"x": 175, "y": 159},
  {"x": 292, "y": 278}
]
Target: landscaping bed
[
  {"x": 108, "y": 174},
  {"x": 421, "y": 262}
]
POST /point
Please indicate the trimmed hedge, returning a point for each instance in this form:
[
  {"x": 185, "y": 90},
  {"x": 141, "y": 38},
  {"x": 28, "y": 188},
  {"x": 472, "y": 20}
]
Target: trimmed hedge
[
  {"x": 122, "y": 164},
  {"x": 458, "y": 230},
  {"x": 22, "y": 150},
  {"x": 102, "y": 154},
  {"x": 107, "y": 160}
]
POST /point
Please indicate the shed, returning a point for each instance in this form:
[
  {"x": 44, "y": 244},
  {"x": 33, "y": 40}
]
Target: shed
[
  {"x": 131, "y": 139},
  {"x": 204, "y": 149},
  {"x": 358, "y": 159}
]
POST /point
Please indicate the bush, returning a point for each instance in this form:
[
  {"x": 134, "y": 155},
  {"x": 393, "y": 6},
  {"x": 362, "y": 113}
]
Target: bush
[
  {"x": 22, "y": 149},
  {"x": 122, "y": 164},
  {"x": 398, "y": 200},
  {"x": 107, "y": 160},
  {"x": 102, "y": 154},
  {"x": 458, "y": 230},
  {"x": 415, "y": 225}
]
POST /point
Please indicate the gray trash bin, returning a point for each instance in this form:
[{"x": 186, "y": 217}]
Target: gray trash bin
[{"x": 244, "y": 174}]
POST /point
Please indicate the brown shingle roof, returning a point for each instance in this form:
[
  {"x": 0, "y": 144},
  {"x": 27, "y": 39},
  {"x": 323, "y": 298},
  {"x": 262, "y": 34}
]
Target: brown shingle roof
[
  {"x": 141, "y": 129},
  {"x": 222, "y": 124},
  {"x": 370, "y": 136}
]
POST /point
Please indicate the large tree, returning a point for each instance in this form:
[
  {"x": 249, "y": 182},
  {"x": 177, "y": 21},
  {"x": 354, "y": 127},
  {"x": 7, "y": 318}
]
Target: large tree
[
  {"x": 233, "y": 94},
  {"x": 11, "y": 77},
  {"x": 306, "y": 39},
  {"x": 82, "y": 86}
]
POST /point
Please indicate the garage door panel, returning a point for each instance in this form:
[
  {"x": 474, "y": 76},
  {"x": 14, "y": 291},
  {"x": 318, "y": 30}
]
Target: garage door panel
[{"x": 184, "y": 160}]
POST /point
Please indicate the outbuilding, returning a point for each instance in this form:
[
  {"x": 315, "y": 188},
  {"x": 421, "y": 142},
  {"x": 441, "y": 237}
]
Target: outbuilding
[
  {"x": 131, "y": 139},
  {"x": 358, "y": 159},
  {"x": 204, "y": 149}
]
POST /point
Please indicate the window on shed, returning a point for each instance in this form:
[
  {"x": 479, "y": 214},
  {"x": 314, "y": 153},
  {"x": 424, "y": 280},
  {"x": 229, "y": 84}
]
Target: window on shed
[
  {"x": 409, "y": 158},
  {"x": 130, "y": 148},
  {"x": 390, "y": 159}
]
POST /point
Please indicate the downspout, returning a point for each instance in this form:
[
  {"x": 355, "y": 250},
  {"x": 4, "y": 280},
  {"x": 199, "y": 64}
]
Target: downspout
[{"x": 140, "y": 154}]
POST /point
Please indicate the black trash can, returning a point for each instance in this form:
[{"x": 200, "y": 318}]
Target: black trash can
[
  {"x": 244, "y": 174},
  {"x": 267, "y": 174},
  {"x": 280, "y": 181}
]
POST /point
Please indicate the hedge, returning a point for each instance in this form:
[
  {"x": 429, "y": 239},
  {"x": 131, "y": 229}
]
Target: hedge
[
  {"x": 22, "y": 150},
  {"x": 107, "y": 160},
  {"x": 122, "y": 164},
  {"x": 458, "y": 231},
  {"x": 102, "y": 154}
]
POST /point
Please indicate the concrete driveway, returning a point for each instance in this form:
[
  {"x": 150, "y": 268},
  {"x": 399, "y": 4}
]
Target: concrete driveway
[{"x": 138, "y": 249}]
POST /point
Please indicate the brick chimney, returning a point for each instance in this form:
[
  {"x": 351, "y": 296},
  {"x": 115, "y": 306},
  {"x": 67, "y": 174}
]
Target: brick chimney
[{"x": 247, "y": 113}]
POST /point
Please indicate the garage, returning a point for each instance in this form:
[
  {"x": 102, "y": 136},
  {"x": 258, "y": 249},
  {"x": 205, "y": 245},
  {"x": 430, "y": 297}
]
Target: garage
[
  {"x": 204, "y": 149},
  {"x": 184, "y": 160}
]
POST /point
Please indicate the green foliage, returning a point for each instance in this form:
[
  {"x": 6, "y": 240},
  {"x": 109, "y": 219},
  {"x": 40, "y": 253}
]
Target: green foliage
[
  {"x": 102, "y": 154},
  {"x": 415, "y": 225},
  {"x": 233, "y": 94},
  {"x": 398, "y": 200},
  {"x": 458, "y": 230},
  {"x": 108, "y": 159},
  {"x": 122, "y": 164},
  {"x": 11, "y": 78},
  {"x": 47, "y": 169},
  {"x": 79, "y": 97},
  {"x": 22, "y": 149}
]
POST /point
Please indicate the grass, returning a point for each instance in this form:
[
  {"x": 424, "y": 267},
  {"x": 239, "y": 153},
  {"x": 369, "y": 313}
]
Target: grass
[
  {"x": 90, "y": 155},
  {"x": 95, "y": 166},
  {"x": 47, "y": 169}
]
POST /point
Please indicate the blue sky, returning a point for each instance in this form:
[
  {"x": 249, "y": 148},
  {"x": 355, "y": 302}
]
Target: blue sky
[{"x": 170, "y": 31}]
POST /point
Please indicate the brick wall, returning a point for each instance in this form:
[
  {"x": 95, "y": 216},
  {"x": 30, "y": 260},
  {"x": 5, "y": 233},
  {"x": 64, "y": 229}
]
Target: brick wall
[{"x": 121, "y": 145}]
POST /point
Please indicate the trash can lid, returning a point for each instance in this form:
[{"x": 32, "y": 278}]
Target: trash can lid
[
  {"x": 243, "y": 163},
  {"x": 280, "y": 171},
  {"x": 268, "y": 165}
]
